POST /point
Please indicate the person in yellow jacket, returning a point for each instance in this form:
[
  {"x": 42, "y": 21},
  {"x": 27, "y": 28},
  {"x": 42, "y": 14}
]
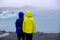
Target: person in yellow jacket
[{"x": 29, "y": 25}]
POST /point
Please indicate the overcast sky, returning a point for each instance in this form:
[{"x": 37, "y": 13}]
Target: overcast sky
[{"x": 48, "y": 4}]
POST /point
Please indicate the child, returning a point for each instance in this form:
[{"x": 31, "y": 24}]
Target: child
[
  {"x": 18, "y": 26},
  {"x": 29, "y": 25}
]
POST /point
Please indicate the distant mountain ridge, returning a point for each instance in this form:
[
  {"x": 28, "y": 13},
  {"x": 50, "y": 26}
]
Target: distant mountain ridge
[
  {"x": 24, "y": 8},
  {"x": 17, "y": 8}
]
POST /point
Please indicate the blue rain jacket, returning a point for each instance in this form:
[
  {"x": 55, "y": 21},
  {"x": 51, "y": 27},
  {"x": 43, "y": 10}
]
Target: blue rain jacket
[{"x": 19, "y": 22}]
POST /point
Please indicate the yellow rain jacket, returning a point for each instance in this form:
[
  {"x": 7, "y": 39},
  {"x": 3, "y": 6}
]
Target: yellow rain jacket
[{"x": 28, "y": 23}]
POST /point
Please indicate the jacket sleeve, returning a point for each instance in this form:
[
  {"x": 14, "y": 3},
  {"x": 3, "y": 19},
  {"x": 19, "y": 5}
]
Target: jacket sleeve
[
  {"x": 16, "y": 23},
  {"x": 23, "y": 26},
  {"x": 34, "y": 27}
]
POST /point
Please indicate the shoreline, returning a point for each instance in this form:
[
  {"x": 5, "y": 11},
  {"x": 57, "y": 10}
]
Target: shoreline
[{"x": 36, "y": 36}]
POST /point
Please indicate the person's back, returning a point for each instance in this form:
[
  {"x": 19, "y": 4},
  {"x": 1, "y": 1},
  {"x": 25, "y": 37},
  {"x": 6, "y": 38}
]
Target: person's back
[
  {"x": 18, "y": 26},
  {"x": 29, "y": 25}
]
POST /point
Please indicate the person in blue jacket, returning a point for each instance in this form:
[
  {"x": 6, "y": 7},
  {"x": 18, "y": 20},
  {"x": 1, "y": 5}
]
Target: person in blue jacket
[{"x": 18, "y": 25}]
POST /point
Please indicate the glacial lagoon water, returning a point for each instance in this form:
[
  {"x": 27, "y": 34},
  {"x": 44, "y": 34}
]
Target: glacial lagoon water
[{"x": 48, "y": 22}]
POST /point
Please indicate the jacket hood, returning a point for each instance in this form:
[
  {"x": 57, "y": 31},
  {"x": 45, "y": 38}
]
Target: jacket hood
[
  {"x": 21, "y": 15},
  {"x": 29, "y": 14}
]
